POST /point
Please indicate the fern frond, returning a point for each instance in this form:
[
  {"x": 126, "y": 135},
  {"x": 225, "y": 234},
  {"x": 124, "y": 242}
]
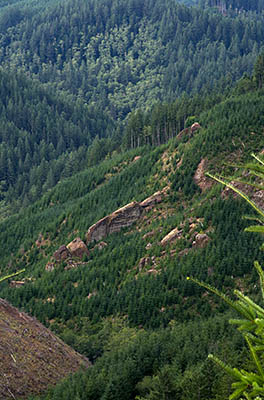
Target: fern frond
[
  {"x": 255, "y": 357},
  {"x": 11, "y": 275},
  {"x": 213, "y": 290},
  {"x": 255, "y": 228},
  {"x": 242, "y": 194},
  {"x": 250, "y": 303},
  {"x": 257, "y": 158},
  {"x": 231, "y": 371},
  {"x": 261, "y": 276}
]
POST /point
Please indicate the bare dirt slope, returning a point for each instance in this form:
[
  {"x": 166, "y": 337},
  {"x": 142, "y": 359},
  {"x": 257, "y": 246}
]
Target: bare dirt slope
[{"x": 31, "y": 356}]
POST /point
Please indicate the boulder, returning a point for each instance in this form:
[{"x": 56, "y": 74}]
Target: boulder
[
  {"x": 17, "y": 284},
  {"x": 101, "y": 245},
  {"x": 152, "y": 200},
  {"x": 172, "y": 235},
  {"x": 201, "y": 240},
  {"x": 62, "y": 254},
  {"x": 195, "y": 127},
  {"x": 78, "y": 248}
]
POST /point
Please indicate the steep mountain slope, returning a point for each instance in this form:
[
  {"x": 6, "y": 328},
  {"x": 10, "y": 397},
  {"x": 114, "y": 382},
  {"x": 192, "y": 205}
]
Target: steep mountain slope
[
  {"x": 31, "y": 356},
  {"x": 126, "y": 303},
  {"x": 44, "y": 137}
]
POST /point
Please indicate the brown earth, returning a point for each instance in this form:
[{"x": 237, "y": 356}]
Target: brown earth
[
  {"x": 199, "y": 177},
  {"x": 31, "y": 356}
]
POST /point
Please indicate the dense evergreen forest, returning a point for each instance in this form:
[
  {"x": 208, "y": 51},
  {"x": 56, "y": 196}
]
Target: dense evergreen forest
[
  {"x": 147, "y": 333},
  {"x": 124, "y": 55},
  {"x": 95, "y": 64},
  {"x": 98, "y": 99},
  {"x": 44, "y": 137}
]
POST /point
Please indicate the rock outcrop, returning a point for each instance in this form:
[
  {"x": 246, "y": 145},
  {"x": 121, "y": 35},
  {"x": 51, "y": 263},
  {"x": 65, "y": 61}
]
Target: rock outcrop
[
  {"x": 101, "y": 245},
  {"x": 121, "y": 218},
  {"x": 200, "y": 240},
  {"x": 77, "y": 248},
  {"x": 31, "y": 357},
  {"x": 189, "y": 131},
  {"x": 172, "y": 235},
  {"x": 156, "y": 198},
  {"x": 195, "y": 127},
  {"x": 17, "y": 284},
  {"x": 199, "y": 177},
  {"x": 62, "y": 253}
]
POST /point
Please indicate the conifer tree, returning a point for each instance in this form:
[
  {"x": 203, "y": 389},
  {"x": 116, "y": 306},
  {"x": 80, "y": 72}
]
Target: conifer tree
[{"x": 247, "y": 385}]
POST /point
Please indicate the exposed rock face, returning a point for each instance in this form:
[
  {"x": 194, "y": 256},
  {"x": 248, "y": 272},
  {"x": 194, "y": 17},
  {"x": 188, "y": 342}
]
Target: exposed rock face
[
  {"x": 258, "y": 198},
  {"x": 17, "y": 284},
  {"x": 172, "y": 235},
  {"x": 98, "y": 231},
  {"x": 31, "y": 356},
  {"x": 114, "y": 222},
  {"x": 152, "y": 200},
  {"x": 77, "y": 248},
  {"x": 124, "y": 217},
  {"x": 199, "y": 177},
  {"x": 62, "y": 254},
  {"x": 195, "y": 127},
  {"x": 143, "y": 262},
  {"x": 189, "y": 131},
  {"x": 200, "y": 240}
]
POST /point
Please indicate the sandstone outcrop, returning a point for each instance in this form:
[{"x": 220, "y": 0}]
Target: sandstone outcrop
[
  {"x": 62, "y": 254},
  {"x": 199, "y": 177},
  {"x": 101, "y": 245},
  {"x": 77, "y": 248},
  {"x": 156, "y": 198},
  {"x": 200, "y": 240},
  {"x": 121, "y": 218},
  {"x": 17, "y": 284},
  {"x": 195, "y": 127},
  {"x": 189, "y": 131},
  {"x": 172, "y": 235}
]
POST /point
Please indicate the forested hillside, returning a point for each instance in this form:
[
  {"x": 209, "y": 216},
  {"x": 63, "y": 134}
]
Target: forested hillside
[
  {"x": 126, "y": 304},
  {"x": 44, "y": 137},
  {"x": 111, "y": 112},
  {"x": 234, "y": 5},
  {"x": 124, "y": 55}
]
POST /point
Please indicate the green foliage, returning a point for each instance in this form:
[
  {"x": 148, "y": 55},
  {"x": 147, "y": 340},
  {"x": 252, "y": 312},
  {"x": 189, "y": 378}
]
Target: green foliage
[
  {"x": 11, "y": 275},
  {"x": 247, "y": 383},
  {"x": 121, "y": 56}
]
